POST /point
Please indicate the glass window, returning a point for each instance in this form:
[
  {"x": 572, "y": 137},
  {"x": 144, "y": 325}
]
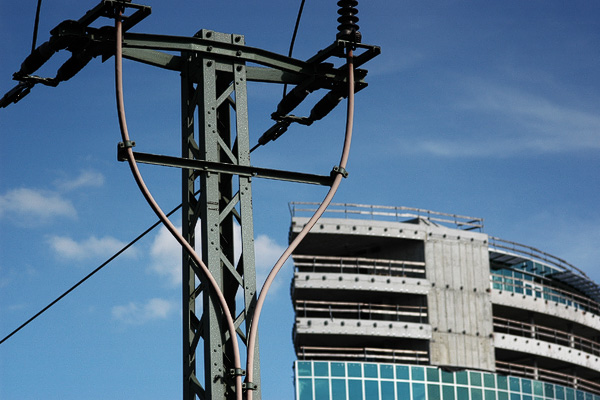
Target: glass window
[
  {"x": 386, "y": 371},
  {"x": 502, "y": 382},
  {"x": 321, "y": 389},
  {"x": 338, "y": 389},
  {"x": 401, "y": 372},
  {"x": 490, "y": 394},
  {"x": 502, "y": 395},
  {"x": 370, "y": 370},
  {"x": 476, "y": 394},
  {"x": 447, "y": 377},
  {"x": 514, "y": 384},
  {"x": 538, "y": 388},
  {"x": 447, "y": 392},
  {"x": 321, "y": 369},
  {"x": 559, "y": 392},
  {"x": 355, "y": 389},
  {"x": 304, "y": 368},
  {"x": 462, "y": 378},
  {"x": 462, "y": 393},
  {"x": 579, "y": 395},
  {"x": 549, "y": 390},
  {"x": 515, "y": 396},
  {"x": 489, "y": 381},
  {"x": 403, "y": 390},
  {"x": 305, "y": 389},
  {"x": 527, "y": 397},
  {"x": 418, "y": 374},
  {"x": 354, "y": 370},
  {"x": 418, "y": 391},
  {"x": 433, "y": 392},
  {"x": 387, "y": 390},
  {"x": 570, "y": 394},
  {"x": 526, "y": 385},
  {"x": 371, "y": 390},
  {"x": 475, "y": 378},
  {"x": 588, "y": 396},
  {"x": 433, "y": 375},
  {"x": 338, "y": 369}
]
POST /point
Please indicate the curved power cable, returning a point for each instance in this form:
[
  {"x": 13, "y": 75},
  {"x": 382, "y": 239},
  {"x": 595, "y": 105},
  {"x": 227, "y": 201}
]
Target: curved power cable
[
  {"x": 313, "y": 220},
  {"x": 158, "y": 211}
]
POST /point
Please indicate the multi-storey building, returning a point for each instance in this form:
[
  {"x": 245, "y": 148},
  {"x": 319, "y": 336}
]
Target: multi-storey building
[{"x": 403, "y": 303}]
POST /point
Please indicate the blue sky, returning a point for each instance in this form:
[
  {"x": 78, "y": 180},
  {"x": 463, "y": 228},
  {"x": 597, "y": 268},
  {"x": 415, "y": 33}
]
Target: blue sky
[{"x": 487, "y": 109}]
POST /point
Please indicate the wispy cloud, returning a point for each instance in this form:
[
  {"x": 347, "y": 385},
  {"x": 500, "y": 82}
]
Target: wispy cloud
[
  {"x": 523, "y": 123},
  {"x": 70, "y": 249},
  {"x": 141, "y": 313},
  {"x": 166, "y": 256},
  {"x": 85, "y": 178},
  {"x": 267, "y": 253},
  {"x": 24, "y": 203}
]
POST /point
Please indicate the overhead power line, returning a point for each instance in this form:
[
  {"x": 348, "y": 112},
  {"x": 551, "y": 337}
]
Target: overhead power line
[{"x": 88, "y": 276}]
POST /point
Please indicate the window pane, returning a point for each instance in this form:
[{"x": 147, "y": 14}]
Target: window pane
[
  {"x": 418, "y": 390},
  {"x": 338, "y": 389},
  {"x": 514, "y": 384},
  {"x": 304, "y": 368},
  {"x": 403, "y": 390},
  {"x": 476, "y": 394},
  {"x": 338, "y": 369},
  {"x": 433, "y": 375},
  {"x": 321, "y": 389},
  {"x": 538, "y": 388},
  {"x": 387, "y": 390},
  {"x": 354, "y": 370},
  {"x": 502, "y": 396},
  {"x": 370, "y": 370},
  {"x": 490, "y": 395},
  {"x": 448, "y": 392},
  {"x": 321, "y": 369},
  {"x": 418, "y": 374},
  {"x": 489, "y": 381},
  {"x": 447, "y": 377},
  {"x": 515, "y": 396},
  {"x": 355, "y": 389},
  {"x": 502, "y": 382},
  {"x": 305, "y": 389},
  {"x": 570, "y": 394},
  {"x": 526, "y": 385},
  {"x": 462, "y": 393},
  {"x": 549, "y": 389},
  {"x": 462, "y": 378},
  {"x": 475, "y": 379},
  {"x": 371, "y": 390},
  {"x": 401, "y": 372},
  {"x": 386, "y": 371},
  {"x": 433, "y": 392}
]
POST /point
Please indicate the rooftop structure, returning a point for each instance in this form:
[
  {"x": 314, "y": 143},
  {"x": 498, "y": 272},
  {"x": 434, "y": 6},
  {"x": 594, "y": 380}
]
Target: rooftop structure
[{"x": 405, "y": 303}]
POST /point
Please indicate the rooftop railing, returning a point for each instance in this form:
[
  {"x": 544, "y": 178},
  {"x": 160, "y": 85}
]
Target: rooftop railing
[
  {"x": 538, "y": 332},
  {"x": 388, "y": 213},
  {"x": 360, "y": 311},
  {"x": 363, "y": 354}
]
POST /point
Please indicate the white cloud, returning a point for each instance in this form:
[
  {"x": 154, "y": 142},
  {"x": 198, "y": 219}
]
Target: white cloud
[
  {"x": 518, "y": 123},
  {"x": 141, "y": 313},
  {"x": 68, "y": 248},
  {"x": 166, "y": 256},
  {"x": 267, "y": 253},
  {"x": 86, "y": 178},
  {"x": 39, "y": 204}
]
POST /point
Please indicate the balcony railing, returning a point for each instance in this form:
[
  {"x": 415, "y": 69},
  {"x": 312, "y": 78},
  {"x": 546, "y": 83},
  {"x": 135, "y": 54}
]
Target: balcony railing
[
  {"x": 544, "y": 292},
  {"x": 360, "y": 311},
  {"x": 541, "y": 374},
  {"x": 359, "y": 265},
  {"x": 523, "y": 329},
  {"x": 363, "y": 354},
  {"x": 389, "y": 213}
]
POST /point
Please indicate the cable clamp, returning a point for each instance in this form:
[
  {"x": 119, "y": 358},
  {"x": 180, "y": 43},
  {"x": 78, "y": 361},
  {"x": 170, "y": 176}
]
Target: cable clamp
[
  {"x": 249, "y": 386},
  {"x": 122, "y": 150},
  {"x": 237, "y": 372},
  {"x": 339, "y": 170}
]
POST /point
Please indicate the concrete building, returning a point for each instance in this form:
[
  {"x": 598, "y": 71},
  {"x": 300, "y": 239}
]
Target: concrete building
[{"x": 403, "y": 303}]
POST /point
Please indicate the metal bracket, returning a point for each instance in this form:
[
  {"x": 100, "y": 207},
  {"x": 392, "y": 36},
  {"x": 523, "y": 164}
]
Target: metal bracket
[
  {"x": 237, "y": 372},
  {"x": 122, "y": 149},
  {"x": 339, "y": 170},
  {"x": 249, "y": 386}
]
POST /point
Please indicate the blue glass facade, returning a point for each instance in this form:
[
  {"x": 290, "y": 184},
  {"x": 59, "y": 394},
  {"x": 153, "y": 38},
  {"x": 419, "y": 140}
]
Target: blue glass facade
[{"x": 336, "y": 380}]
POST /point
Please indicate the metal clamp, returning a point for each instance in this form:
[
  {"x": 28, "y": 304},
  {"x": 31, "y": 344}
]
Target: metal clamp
[
  {"x": 249, "y": 386},
  {"x": 237, "y": 372},
  {"x": 122, "y": 150},
  {"x": 339, "y": 170}
]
